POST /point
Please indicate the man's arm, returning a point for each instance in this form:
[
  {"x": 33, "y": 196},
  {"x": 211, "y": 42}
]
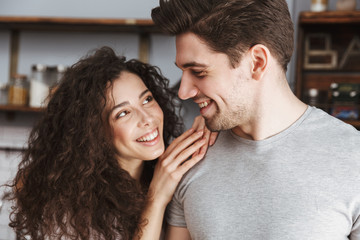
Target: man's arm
[{"x": 177, "y": 233}]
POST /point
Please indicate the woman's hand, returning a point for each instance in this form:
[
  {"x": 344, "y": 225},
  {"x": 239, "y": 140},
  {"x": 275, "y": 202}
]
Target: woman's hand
[
  {"x": 177, "y": 159},
  {"x": 210, "y": 137},
  {"x": 182, "y": 154}
]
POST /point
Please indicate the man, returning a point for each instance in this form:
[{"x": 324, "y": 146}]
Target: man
[{"x": 280, "y": 169}]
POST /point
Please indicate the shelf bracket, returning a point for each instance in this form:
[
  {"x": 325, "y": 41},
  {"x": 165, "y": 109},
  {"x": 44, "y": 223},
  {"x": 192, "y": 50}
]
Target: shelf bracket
[
  {"x": 14, "y": 51},
  {"x": 144, "y": 47}
]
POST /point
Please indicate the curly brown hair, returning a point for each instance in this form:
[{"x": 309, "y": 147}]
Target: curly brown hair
[{"x": 69, "y": 183}]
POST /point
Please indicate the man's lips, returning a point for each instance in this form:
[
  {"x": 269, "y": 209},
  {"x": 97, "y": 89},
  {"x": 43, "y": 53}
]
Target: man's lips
[{"x": 204, "y": 104}]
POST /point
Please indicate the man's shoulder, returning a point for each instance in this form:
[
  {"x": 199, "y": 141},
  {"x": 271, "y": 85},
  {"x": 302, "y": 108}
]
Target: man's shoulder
[{"x": 320, "y": 119}]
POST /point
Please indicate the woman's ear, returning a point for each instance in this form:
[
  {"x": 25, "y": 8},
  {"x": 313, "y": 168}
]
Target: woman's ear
[{"x": 259, "y": 56}]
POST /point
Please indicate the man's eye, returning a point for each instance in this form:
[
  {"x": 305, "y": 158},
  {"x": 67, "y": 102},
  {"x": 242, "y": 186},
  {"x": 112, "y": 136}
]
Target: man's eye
[
  {"x": 148, "y": 99},
  {"x": 198, "y": 73}
]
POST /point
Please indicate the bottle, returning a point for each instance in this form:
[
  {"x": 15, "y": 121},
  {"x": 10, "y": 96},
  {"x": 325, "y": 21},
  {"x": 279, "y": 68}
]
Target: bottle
[
  {"x": 18, "y": 90},
  {"x": 4, "y": 90},
  {"x": 39, "y": 86},
  {"x": 319, "y": 5},
  {"x": 346, "y": 5},
  {"x": 313, "y": 96},
  {"x": 60, "y": 70}
]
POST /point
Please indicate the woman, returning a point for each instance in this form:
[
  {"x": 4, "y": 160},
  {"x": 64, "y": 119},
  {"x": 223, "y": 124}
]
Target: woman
[{"x": 87, "y": 172}]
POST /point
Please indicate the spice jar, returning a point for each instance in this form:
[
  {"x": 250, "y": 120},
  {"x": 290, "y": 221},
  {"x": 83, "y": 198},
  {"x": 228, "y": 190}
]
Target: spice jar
[
  {"x": 319, "y": 5},
  {"x": 4, "y": 90},
  {"x": 39, "y": 85},
  {"x": 346, "y": 5},
  {"x": 18, "y": 90},
  {"x": 60, "y": 70}
]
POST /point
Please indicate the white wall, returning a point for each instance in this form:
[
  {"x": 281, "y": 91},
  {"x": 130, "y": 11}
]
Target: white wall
[{"x": 78, "y": 8}]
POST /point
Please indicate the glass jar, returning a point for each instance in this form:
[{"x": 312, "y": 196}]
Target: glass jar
[
  {"x": 39, "y": 85},
  {"x": 60, "y": 70},
  {"x": 346, "y": 5},
  {"x": 4, "y": 90},
  {"x": 18, "y": 90},
  {"x": 319, "y": 5}
]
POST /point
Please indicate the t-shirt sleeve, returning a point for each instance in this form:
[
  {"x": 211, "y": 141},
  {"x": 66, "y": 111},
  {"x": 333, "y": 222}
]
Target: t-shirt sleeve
[{"x": 175, "y": 213}]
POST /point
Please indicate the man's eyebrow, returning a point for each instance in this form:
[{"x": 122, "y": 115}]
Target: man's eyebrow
[
  {"x": 191, "y": 64},
  {"x": 127, "y": 102}
]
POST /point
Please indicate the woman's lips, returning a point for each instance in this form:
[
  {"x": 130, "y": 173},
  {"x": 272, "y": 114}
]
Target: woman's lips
[{"x": 149, "y": 137}]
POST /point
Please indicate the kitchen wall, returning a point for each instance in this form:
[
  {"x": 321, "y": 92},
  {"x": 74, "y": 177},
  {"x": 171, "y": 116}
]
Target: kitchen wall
[{"x": 65, "y": 48}]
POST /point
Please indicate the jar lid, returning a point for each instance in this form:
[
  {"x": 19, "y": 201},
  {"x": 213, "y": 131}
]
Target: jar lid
[
  {"x": 19, "y": 76},
  {"x": 61, "y": 68},
  {"x": 4, "y": 86},
  {"x": 51, "y": 69},
  {"x": 39, "y": 67}
]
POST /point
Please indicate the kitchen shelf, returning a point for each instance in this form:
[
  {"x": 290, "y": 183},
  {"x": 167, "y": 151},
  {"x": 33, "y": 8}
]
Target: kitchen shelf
[
  {"x": 78, "y": 24},
  {"x": 11, "y": 108},
  {"x": 324, "y": 42},
  {"x": 329, "y": 17},
  {"x": 142, "y": 27}
]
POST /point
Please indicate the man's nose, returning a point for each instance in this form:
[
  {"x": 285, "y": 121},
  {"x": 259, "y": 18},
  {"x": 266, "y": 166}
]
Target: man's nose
[{"x": 187, "y": 87}]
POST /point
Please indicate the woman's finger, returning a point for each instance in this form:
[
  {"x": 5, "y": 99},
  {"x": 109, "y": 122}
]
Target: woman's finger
[
  {"x": 207, "y": 137},
  {"x": 181, "y": 146},
  {"x": 199, "y": 124},
  {"x": 182, "y": 169},
  {"x": 213, "y": 137},
  {"x": 184, "y": 155},
  {"x": 175, "y": 142}
]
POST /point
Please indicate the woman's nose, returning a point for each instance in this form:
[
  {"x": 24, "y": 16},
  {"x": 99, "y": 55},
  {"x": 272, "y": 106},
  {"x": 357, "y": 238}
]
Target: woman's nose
[{"x": 145, "y": 118}]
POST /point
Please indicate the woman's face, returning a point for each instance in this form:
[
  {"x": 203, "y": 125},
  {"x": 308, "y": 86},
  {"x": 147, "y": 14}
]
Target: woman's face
[{"x": 136, "y": 120}]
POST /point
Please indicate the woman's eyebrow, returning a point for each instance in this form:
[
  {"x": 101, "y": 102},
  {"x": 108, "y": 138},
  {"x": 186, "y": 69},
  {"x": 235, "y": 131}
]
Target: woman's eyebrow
[{"x": 127, "y": 102}]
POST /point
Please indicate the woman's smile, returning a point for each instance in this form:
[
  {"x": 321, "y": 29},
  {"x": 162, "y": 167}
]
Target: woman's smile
[{"x": 151, "y": 138}]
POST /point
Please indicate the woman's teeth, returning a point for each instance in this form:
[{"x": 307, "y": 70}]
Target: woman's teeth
[
  {"x": 149, "y": 137},
  {"x": 203, "y": 104}
]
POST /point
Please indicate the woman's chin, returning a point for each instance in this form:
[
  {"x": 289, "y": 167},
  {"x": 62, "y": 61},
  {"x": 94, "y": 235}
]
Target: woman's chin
[{"x": 155, "y": 154}]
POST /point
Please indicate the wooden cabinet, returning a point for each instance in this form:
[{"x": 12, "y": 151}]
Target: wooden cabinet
[
  {"x": 142, "y": 27},
  {"x": 328, "y": 52}
]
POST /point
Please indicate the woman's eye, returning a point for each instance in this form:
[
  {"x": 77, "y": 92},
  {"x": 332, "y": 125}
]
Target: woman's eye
[
  {"x": 148, "y": 99},
  {"x": 122, "y": 114}
]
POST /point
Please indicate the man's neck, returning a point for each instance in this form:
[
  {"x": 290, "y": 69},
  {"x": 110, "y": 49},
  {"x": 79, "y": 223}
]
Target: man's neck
[{"x": 277, "y": 110}]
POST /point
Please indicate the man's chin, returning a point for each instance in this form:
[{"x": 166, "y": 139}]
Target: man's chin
[
  {"x": 213, "y": 125},
  {"x": 216, "y": 124}
]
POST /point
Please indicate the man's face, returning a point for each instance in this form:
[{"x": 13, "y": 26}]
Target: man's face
[{"x": 222, "y": 92}]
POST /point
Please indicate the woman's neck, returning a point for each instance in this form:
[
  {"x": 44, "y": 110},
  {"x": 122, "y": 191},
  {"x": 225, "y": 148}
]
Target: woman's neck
[{"x": 133, "y": 167}]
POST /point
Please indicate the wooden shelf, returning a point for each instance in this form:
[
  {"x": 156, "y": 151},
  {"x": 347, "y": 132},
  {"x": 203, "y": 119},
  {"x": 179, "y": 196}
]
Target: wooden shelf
[
  {"x": 11, "y": 108},
  {"x": 354, "y": 123},
  {"x": 329, "y": 17},
  {"x": 78, "y": 24}
]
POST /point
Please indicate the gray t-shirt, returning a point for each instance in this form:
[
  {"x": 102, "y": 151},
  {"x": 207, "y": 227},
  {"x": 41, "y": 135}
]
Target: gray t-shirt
[{"x": 301, "y": 184}]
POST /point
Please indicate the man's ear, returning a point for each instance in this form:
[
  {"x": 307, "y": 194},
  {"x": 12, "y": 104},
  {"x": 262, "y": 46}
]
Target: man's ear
[{"x": 259, "y": 57}]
